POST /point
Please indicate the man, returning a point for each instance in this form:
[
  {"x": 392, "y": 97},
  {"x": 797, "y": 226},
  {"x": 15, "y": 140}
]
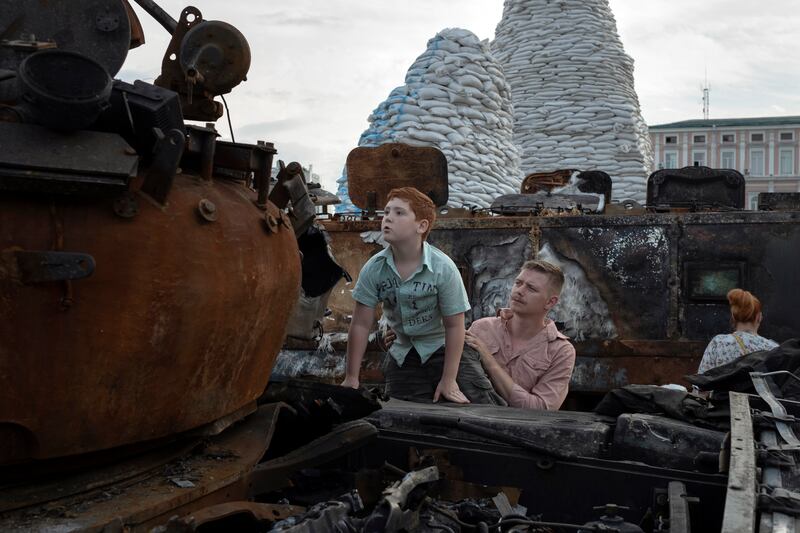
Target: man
[
  {"x": 424, "y": 302},
  {"x": 527, "y": 359}
]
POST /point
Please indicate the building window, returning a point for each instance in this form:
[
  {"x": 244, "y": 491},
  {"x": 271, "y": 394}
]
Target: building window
[
  {"x": 757, "y": 162},
  {"x": 699, "y": 159},
  {"x": 699, "y": 139},
  {"x": 671, "y": 139},
  {"x": 752, "y": 201},
  {"x": 670, "y": 159},
  {"x": 787, "y": 135},
  {"x": 727, "y": 137},
  {"x": 756, "y": 137},
  {"x": 728, "y": 159},
  {"x": 786, "y": 159}
]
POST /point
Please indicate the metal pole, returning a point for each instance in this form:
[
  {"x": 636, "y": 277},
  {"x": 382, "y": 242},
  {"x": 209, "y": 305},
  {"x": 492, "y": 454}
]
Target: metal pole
[{"x": 161, "y": 16}]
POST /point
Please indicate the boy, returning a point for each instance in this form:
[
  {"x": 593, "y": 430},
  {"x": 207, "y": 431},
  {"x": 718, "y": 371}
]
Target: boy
[{"x": 424, "y": 303}]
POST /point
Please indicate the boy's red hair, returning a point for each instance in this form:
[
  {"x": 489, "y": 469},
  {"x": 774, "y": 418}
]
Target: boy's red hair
[{"x": 422, "y": 206}]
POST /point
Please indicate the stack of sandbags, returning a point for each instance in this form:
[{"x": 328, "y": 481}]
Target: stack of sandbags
[
  {"x": 572, "y": 87},
  {"x": 456, "y": 99}
]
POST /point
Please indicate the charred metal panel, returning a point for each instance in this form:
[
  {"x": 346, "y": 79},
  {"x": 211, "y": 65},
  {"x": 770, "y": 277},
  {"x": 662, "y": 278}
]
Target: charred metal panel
[
  {"x": 582, "y": 312},
  {"x": 779, "y": 201},
  {"x": 627, "y": 259},
  {"x": 766, "y": 246},
  {"x": 490, "y": 260},
  {"x": 579, "y": 434}
]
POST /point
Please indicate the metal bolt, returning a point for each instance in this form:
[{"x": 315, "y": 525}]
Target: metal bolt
[
  {"x": 126, "y": 206},
  {"x": 272, "y": 223},
  {"x": 207, "y": 210}
]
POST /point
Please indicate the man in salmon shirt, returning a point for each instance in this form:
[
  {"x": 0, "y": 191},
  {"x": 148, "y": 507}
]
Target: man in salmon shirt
[{"x": 525, "y": 356}]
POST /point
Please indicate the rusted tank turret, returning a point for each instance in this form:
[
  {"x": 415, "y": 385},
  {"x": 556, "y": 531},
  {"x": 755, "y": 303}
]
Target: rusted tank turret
[{"x": 145, "y": 276}]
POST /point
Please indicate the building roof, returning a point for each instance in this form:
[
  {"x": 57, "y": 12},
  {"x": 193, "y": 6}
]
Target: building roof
[{"x": 728, "y": 123}]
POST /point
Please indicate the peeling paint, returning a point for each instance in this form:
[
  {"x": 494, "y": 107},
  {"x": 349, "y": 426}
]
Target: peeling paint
[
  {"x": 646, "y": 242},
  {"x": 494, "y": 268},
  {"x": 590, "y": 374},
  {"x": 581, "y": 307}
]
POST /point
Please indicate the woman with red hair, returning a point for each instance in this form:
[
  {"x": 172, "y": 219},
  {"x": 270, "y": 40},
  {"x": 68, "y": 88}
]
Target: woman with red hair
[{"x": 746, "y": 318}]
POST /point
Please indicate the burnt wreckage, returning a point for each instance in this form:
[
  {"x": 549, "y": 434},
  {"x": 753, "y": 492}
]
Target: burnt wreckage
[{"x": 148, "y": 273}]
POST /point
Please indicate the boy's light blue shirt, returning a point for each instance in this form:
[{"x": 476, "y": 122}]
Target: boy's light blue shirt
[{"x": 413, "y": 308}]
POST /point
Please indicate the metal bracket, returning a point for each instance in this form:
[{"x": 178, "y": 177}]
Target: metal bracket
[
  {"x": 762, "y": 388},
  {"x": 167, "y": 154},
  {"x": 44, "y": 267},
  {"x": 679, "y": 507}
]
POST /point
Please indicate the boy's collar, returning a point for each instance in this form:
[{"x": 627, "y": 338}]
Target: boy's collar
[
  {"x": 427, "y": 256},
  {"x": 427, "y": 260}
]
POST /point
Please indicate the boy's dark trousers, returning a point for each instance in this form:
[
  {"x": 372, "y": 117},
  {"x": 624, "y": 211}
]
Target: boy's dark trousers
[{"x": 417, "y": 382}]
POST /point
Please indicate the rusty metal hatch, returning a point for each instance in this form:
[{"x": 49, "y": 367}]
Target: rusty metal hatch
[{"x": 373, "y": 172}]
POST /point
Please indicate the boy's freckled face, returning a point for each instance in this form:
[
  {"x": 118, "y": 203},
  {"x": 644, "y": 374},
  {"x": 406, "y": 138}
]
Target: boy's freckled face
[{"x": 399, "y": 222}]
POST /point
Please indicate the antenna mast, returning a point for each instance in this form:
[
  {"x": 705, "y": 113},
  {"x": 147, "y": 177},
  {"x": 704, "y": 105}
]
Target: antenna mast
[{"x": 706, "y": 101}]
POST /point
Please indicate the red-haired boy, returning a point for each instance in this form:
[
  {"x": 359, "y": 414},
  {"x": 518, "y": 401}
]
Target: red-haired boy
[{"x": 424, "y": 302}]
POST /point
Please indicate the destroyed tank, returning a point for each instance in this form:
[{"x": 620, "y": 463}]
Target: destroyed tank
[{"x": 146, "y": 272}]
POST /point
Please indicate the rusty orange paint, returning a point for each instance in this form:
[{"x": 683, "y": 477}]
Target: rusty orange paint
[{"x": 178, "y": 326}]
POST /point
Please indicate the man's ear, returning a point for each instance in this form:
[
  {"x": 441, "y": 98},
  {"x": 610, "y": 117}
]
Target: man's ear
[
  {"x": 551, "y": 303},
  {"x": 424, "y": 224}
]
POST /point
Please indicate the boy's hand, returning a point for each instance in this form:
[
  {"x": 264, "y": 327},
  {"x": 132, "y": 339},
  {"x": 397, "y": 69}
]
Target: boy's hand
[
  {"x": 450, "y": 391},
  {"x": 350, "y": 382}
]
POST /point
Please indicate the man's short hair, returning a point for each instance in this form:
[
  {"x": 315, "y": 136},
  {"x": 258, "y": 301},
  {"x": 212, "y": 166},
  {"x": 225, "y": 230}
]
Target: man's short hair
[
  {"x": 553, "y": 272},
  {"x": 422, "y": 206}
]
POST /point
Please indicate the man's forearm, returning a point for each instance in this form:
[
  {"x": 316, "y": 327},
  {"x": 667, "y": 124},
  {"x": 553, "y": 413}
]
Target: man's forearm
[{"x": 500, "y": 379}]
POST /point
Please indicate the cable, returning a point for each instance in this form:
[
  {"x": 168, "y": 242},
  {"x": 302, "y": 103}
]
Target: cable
[{"x": 228, "y": 114}]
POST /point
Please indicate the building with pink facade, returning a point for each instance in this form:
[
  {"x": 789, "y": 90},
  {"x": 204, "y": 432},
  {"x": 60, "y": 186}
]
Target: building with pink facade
[{"x": 765, "y": 150}]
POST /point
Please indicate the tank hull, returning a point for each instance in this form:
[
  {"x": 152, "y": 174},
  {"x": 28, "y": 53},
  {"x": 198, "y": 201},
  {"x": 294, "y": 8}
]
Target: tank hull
[{"x": 178, "y": 325}]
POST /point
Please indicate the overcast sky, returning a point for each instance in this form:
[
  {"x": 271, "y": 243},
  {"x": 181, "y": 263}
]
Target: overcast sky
[{"x": 319, "y": 67}]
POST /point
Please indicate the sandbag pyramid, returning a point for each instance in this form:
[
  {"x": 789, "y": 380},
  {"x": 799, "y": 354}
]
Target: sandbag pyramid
[
  {"x": 456, "y": 99},
  {"x": 573, "y": 94}
]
